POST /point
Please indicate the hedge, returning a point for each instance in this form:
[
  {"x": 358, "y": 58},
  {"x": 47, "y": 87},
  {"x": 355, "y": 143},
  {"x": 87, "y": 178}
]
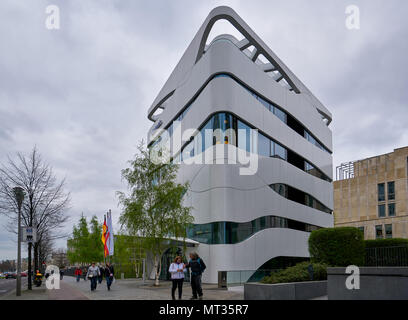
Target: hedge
[
  {"x": 298, "y": 273},
  {"x": 380, "y": 243},
  {"x": 337, "y": 247}
]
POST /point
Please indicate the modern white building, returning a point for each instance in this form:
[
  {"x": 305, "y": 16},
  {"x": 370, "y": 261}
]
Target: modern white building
[{"x": 261, "y": 217}]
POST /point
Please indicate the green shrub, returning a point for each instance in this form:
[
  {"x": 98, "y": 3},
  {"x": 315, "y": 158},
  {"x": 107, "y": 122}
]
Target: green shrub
[
  {"x": 379, "y": 243},
  {"x": 298, "y": 273},
  {"x": 339, "y": 247}
]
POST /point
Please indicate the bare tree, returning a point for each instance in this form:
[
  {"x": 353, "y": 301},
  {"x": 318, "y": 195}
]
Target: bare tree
[
  {"x": 45, "y": 246},
  {"x": 45, "y": 201}
]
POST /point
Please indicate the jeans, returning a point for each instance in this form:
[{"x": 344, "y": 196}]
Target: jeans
[
  {"x": 94, "y": 282},
  {"x": 109, "y": 281},
  {"x": 177, "y": 283},
  {"x": 78, "y": 277},
  {"x": 196, "y": 285}
]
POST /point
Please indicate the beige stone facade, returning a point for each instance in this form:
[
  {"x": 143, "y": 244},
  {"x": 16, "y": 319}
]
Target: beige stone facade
[{"x": 363, "y": 195}]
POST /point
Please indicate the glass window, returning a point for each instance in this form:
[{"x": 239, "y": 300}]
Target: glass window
[
  {"x": 309, "y": 201},
  {"x": 381, "y": 210},
  {"x": 281, "y": 189},
  {"x": 391, "y": 190},
  {"x": 378, "y": 232},
  {"x": 264, "y": 145},
  {"x": 280, "y": 151},
  {"x": 391, "y": 209},
  {"x": 188, "y": 151},
  {"x": 280, "y": 114},
  {"x": 388, "y": 231},
  {"x": 206, "y": 136},
  {"x": 381, "y": 192},
  {"x": 265, "y": 103},
  {"x": 224, "y": 129},
  {"x": 244, "y": 136}
]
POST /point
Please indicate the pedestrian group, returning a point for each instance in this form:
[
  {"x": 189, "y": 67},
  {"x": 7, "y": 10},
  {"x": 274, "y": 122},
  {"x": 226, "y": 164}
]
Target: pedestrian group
[{"x": 177, "y": 270}]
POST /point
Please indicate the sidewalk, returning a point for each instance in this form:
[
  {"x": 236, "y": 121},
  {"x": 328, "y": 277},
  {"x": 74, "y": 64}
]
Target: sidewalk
[
  {"x": 128, "y": 289},
  {"x": 134, "y": 289}
]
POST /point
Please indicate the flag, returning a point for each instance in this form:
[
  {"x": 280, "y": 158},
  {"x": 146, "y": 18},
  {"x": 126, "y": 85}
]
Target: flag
[
  {"x": 105, "y": 233},
  {"x": 109, "y": 235}
]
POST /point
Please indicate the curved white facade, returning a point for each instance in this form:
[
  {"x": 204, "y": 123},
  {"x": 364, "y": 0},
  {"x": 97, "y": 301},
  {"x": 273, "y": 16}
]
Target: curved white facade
[{"x": 226, "y": 82}]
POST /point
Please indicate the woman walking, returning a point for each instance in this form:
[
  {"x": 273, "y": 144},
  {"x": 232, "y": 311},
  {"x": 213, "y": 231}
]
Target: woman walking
[
  {"x": 177, "y": 269},
  {"x": 109, "y": 273},
  {"x": 93, "y": 274}
]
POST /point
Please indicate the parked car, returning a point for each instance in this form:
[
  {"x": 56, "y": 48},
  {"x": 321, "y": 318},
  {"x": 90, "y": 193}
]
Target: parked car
[
  {"x": 11, "y": 275},
  {"x": 2, "y": 276},
  {"x": 24, "y": 274}
]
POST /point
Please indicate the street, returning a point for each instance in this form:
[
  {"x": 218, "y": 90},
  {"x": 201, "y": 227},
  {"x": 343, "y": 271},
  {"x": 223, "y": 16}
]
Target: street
[{"x": 6, "y": 285}]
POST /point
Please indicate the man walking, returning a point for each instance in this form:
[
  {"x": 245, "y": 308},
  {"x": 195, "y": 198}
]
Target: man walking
[
  {"x": 109, "y": 273},
  {"x": 197, "y": 266},
  {"x": 93, "y": 273}
]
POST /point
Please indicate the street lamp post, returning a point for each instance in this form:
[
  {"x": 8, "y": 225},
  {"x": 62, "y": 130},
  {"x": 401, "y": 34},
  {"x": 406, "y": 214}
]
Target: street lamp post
[{"x": 19, "y": 195}]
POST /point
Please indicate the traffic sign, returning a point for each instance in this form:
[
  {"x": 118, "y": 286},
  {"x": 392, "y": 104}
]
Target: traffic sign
[{"x": 29, "y": 234}]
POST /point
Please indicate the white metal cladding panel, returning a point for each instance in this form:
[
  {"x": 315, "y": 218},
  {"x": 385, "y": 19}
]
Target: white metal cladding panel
[
  {"x": 225, "y": 57},
  {"x": 219, "y": 193},
  {"x": 189, "y": 58},
  {"x": 223, "y": 94},
  {"x": 270, "y": 170},
  {"x": 253, "y": 252}
]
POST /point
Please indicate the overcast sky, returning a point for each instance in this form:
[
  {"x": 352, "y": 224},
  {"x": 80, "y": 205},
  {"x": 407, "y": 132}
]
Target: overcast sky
[{"x": 81, "y": 93}]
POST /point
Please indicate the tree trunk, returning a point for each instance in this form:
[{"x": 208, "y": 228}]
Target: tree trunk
[
  {"x": 36, "y": 256},
  {"x": 156, "y": 267},
  {"x": 29, "y": 266}
]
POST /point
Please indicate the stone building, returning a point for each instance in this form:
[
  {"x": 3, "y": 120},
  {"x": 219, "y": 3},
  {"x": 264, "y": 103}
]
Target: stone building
[{"x": 372, "y": 194}]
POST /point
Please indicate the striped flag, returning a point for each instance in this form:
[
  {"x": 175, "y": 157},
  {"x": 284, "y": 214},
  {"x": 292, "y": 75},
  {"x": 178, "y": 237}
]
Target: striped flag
[
  {"x": 109, "y": 235},
  {"x": 105, "y": 235}
]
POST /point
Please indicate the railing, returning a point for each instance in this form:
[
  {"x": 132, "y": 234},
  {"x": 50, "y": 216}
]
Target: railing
[
  {"x": 243, "y": 276},
  {"x": 386, "y": 257}
]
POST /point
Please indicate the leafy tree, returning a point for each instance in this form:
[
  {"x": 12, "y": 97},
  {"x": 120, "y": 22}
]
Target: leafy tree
[
  {"x": 129, "y": 255},
  {"x": 96, "y": 252},
  {"x": 85, "y": 244},
  {"x": 153, "y": 209}
]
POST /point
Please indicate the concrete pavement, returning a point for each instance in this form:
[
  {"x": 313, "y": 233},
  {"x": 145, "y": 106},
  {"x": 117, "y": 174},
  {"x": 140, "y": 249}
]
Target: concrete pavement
[{"x": 128, "y": 289}]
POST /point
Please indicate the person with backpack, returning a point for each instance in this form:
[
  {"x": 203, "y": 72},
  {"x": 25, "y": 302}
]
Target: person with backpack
[
  {"x": 177, "y": 270},
  {"x": 197, "y": 266}
]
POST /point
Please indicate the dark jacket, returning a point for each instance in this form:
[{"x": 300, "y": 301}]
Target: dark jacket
[
  {"x": 108, "y": 271},
  {"x": 197, "y": 266}
]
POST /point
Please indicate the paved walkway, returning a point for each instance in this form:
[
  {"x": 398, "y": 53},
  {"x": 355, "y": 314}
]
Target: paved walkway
[
  {"x": 134, "y": 289},
  {"x": 129, "y": 289}
]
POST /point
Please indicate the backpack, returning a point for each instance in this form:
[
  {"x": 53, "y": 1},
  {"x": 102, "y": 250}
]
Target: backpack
[{"x": 202, "y": 267}]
